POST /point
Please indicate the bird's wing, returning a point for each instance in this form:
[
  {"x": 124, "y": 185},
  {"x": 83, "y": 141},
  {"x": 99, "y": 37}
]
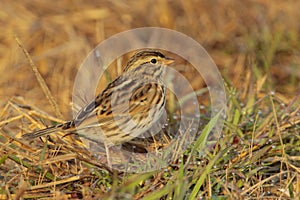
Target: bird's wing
[{"x": 125, "y": 98}]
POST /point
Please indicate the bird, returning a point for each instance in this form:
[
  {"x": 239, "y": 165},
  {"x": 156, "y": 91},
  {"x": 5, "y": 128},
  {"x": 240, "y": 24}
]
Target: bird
[{"x": 127, "y": 107}]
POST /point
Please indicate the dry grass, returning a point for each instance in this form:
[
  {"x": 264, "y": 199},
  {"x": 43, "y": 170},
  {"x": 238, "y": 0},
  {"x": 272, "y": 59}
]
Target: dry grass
[{"x": 255, "y": 44}]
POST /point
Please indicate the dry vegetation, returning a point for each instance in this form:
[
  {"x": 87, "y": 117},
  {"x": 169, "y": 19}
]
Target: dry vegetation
[{"x": 255, "y": 44}]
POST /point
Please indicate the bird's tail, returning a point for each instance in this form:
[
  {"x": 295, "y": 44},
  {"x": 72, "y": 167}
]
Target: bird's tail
[{"x": 43, "y": 132}]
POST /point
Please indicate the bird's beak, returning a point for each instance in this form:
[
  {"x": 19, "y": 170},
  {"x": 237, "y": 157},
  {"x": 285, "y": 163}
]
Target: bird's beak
[{"x": 168, "y": 61}]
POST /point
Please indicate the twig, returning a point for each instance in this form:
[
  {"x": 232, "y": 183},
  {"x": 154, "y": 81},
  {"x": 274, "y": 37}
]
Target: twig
[{"x": 40, "y": 80}]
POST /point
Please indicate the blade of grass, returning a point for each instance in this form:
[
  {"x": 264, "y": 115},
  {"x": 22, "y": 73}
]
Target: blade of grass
[
  {"x": 134, "y": 181},
  {"x": 3, "y": 159},
  {"x": 204, "y": 174},
  {"x": 160, "y": 193},
  {"x": 201, "y": 141},
  {"x": 180, "y": 190},
  {"x": 27, "y": 165},
  {"x": 40, "y": 79}
]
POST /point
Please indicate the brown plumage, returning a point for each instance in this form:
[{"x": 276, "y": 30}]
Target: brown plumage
[{"x": 127, "y": 106}]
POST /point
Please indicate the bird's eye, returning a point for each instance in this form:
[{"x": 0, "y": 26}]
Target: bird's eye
[{"x": 153, "y": 61}]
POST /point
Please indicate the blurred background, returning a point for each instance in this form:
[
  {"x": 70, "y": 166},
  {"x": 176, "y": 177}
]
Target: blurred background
[{"x": 257, "y": 38}]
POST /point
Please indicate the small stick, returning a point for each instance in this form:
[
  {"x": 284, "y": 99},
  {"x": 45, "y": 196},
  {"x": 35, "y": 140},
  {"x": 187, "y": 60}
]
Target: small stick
[{"x": 40, "y": 80}]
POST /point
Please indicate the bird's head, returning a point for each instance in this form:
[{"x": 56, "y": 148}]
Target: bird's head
[{"x": 150, "y": 58}]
